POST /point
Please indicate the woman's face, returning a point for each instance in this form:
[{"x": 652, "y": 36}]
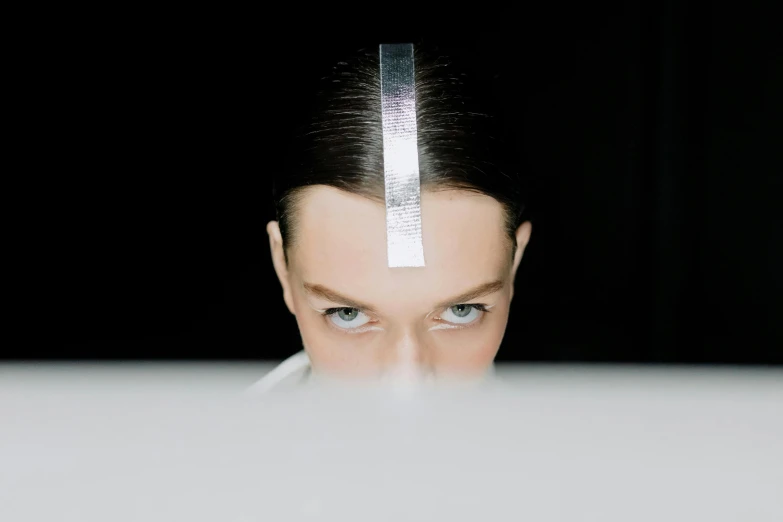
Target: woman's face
[{"x": 360, "y": 318}]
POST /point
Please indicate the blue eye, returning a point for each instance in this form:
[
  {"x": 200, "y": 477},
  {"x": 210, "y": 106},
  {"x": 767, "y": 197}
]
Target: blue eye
[
  {"x": 347, "y": 314},
  {"x": 347, "y": 318},
  {"x": 463, "y": 313},
  {"x": 461, "y": 310}
]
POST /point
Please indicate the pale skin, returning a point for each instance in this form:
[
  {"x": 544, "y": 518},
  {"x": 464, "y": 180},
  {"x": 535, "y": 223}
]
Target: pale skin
[{"x": 360, "y": 318}]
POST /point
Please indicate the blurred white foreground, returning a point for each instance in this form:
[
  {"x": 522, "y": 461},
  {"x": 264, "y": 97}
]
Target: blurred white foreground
[{"x": 182, "y": 443}]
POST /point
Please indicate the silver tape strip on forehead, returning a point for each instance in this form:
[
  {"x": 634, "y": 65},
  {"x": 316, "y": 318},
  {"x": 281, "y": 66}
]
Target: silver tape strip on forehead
[{"x": 400, "y": 157}]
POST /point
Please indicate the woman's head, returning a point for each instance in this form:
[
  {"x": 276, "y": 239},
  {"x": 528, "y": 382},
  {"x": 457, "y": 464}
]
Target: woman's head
[{"x": 356, "y": 315}]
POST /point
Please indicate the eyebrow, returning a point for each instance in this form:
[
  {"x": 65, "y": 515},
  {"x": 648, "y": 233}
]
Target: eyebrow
[
  {"x": 474, "y": 293},
  {"x": 330, "y": 295}
]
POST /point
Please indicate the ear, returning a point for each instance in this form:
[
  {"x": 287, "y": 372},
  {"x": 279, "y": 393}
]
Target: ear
[
  {"x": 278, "y": 260},
  {"x": 523, "y": 238}
]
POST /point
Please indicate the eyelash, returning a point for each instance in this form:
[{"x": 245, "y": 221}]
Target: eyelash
[
  {"x": 485, "y": 309},
  {"x": 331, "y": 311}
]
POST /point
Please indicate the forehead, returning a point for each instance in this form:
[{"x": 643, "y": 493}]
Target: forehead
[{"x": 341, "y": 243}]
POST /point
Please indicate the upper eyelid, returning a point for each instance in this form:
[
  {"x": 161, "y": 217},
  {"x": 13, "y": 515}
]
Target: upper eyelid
[
  {"x": 333, "y": 310},
  {"x": 484, "y": 308},
  {"x": 480, "y": 306},
  {"x": 366, "y": 327},
  {"x": 477, "y": 305},
  {"x": 327, "y": 294}
]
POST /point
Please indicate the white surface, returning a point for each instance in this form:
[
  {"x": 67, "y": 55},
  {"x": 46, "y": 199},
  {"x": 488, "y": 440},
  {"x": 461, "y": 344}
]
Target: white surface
[{"x": 567, "y": 443}]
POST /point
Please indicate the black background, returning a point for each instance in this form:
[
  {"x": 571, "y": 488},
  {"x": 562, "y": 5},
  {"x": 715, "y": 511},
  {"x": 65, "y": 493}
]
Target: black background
[{"x": 652, "y": 135}]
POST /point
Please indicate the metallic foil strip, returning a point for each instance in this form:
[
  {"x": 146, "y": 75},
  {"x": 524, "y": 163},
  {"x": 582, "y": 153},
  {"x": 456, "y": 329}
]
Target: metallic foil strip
[{"x": 401, "y": 157}]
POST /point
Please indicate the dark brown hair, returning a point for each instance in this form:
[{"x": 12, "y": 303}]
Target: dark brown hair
[{"x": 459, "y": 139}]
